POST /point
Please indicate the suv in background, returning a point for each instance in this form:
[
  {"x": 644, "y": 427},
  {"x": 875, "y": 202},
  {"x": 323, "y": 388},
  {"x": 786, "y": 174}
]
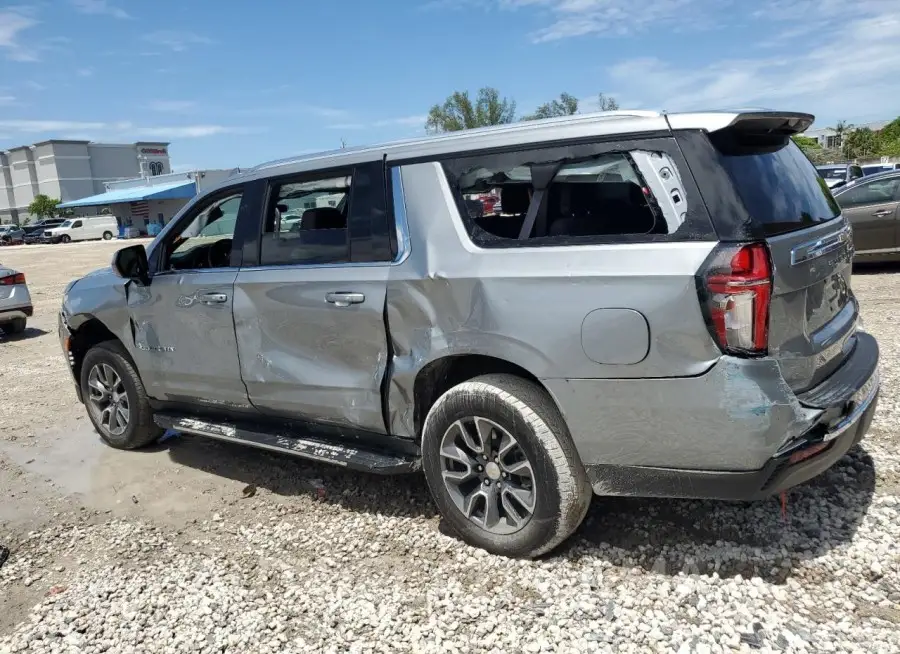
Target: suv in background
[
  {"x": 662, "y": 309},
  {"x": 839, "y": 174}
]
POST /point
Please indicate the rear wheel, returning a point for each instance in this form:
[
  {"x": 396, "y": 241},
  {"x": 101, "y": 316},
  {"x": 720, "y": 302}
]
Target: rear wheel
[
  {"x": 502, "y": 467},
  {"x": 65, "y": 238},
  {"x": 16, "y": 326},
  {"x": 107, "y": 236},
  {"x": 115, "y": 398}
]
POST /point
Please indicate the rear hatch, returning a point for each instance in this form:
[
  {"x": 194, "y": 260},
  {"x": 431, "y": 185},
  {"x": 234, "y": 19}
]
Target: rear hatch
[{"x": 776, "y": 196}]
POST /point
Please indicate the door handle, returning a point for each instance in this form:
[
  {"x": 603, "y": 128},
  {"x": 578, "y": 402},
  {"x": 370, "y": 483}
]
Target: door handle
[
  {"x": 883, "y": 213},
  {"x": 213, "y": 298},
  {"x": 344, "y": 299}
]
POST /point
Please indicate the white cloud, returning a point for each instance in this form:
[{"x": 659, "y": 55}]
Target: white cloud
[
  {"x": 347, "y": 126},
  {"x": 119, "y": 129},
  {"x": 174, "y": 106},
  {"x": 14, "y": 20},
  {"x": 7, "y": 100},
  {"x": 417, "y": 120},
  {"x": 84, "y": 72},
  {"x": 100, "y": 7},
  {"x": 177, "y": 40},
  {"x": 853, "y": 68},
  {"x": 35, "y": 86}
]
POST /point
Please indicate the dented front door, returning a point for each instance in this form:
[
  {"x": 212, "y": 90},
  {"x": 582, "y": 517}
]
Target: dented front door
[{"x": 184, "y": 337}]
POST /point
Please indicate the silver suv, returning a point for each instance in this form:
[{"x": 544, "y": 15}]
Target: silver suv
[{"x": 662, "y": 309}]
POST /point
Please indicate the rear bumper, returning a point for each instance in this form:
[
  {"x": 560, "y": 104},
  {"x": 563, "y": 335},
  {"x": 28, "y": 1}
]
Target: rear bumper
[
  {"x": 730, "y": 433},
  {"x": 781, "y": 473},
  {"x": 8, "y": 315}
]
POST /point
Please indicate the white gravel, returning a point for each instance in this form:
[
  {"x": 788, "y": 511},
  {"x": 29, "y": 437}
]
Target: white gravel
[{"x": 367, "y": 568}]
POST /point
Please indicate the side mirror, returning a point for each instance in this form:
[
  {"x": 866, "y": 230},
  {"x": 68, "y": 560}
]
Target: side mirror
[{"x": 131, "y": 263}]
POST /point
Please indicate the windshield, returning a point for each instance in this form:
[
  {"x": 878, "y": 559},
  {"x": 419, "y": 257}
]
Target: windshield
[{"x": 833, "y": 173}]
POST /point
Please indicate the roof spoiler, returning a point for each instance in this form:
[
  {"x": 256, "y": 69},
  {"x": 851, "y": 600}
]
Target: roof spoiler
[{"x": 765, "y": 121}]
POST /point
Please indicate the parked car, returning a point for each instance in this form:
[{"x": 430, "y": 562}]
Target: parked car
[
  {"x": 83, "y": 229},
  {"x": 34, "y": 232},
  {"x": 15, "y": 301},
  {"x": 872, "y": 206},
  {"x": 621, "y": 334},
  {"x": 839, "y": 174},
  {"x": 11, "y": 235},
  {"x": 874, "y": 169}
]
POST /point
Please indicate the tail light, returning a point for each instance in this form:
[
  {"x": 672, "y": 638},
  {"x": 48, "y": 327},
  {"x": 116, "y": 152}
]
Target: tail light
[
  {"x": 12, "y": 280},
  {"x": 736, "y": 287}
]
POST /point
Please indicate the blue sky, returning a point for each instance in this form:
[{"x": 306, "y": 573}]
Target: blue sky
[{"x": 234, "y": 83}]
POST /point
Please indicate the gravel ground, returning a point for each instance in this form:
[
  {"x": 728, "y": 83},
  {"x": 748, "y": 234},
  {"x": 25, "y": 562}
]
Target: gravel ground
[{"x": 206, "y": 547}]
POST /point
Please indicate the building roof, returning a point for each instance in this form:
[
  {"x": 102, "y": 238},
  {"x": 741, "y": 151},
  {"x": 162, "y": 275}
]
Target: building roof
[{"x": 181, "y": 189}]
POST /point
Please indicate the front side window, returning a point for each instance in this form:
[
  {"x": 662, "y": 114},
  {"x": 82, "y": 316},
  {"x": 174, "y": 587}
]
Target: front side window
[
  {"x": 205, "y": 241},
  {"x": 550, "y": 199},
  {"x": 77, "y": 223},
  {"x": 67, "y": 223},
  {"x": 306, "y": 222},
  {"x": 875, "y": 192}
]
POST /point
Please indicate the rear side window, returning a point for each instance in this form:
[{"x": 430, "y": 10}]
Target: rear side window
[
  {"x": 307, "y": 222},
  {"x": 562, "y": 196},
  {"x": 777, "y": 184},
  {"x": 874, "y": 192}
]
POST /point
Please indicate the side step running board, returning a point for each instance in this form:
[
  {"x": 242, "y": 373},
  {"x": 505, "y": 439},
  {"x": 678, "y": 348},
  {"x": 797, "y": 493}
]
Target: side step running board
[{"x": 307, "y": 446}]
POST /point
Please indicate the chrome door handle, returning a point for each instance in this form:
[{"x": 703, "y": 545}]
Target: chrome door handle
[
  {"x": 883, "y": 213},
  {"x": 344, "y": 299},
  {"x": 213, "y": 298}
]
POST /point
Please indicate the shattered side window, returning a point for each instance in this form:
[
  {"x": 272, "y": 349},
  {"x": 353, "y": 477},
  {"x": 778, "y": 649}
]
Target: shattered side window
[{"x": 560, "y": 196}]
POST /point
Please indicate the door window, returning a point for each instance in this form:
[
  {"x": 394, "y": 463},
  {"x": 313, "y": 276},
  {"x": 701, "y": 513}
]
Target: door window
[
  {"x": 206, "y": 238},
  {"x": 875, "y": 192},
  {"x": 77, "y": 223},
  {"x": 306, "y": 222}
]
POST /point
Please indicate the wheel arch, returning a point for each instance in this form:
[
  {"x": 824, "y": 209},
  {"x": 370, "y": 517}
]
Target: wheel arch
[
  {"x": 441, "y": 374},
  {"x": 86, "y": 331}
]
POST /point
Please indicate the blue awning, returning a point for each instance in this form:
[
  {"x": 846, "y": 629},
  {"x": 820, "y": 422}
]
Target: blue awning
[{"x": 182, "y": 189}]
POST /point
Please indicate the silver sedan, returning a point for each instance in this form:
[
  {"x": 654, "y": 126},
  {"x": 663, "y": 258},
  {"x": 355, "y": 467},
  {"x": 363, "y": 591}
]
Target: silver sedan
[{"x": 15, "y": 301}]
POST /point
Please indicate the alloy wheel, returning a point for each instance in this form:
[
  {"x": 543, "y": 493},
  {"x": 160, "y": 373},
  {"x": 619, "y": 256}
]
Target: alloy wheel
[
  {"x": 109, "y": 399},
  {"x": 488, "y": 475}
]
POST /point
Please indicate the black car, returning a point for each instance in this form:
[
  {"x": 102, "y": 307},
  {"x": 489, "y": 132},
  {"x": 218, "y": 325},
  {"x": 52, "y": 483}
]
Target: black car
[{"x": 35, "y": 231}]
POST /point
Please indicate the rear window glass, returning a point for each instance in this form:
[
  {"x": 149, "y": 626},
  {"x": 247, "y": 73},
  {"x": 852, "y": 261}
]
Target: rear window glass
[{"x": 778, "y": 185}]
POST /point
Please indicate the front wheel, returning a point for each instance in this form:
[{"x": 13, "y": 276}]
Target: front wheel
[
  {"x": 115, "y": 398},
  {"x": 65, "y": 238},
  {"x": 107, "y": 236},
  {"x": 502, "y": 467}
]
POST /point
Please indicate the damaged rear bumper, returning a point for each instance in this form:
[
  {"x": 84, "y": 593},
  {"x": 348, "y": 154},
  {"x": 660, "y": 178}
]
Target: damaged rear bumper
[{"x": 747, "y": 451}]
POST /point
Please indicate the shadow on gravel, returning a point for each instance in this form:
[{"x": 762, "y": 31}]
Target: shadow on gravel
[
  {"x": 30, "y": 332},
  {"x": 405, "y": 495},
  {"x": 753, "y": 539},
  {"x": 880, "y": 268},
  {"x": 658, "y": 535}
]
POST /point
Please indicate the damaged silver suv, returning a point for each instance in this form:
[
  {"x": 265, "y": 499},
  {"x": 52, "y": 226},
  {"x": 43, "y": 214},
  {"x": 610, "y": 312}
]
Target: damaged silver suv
[{"x": 663, "y": 308}]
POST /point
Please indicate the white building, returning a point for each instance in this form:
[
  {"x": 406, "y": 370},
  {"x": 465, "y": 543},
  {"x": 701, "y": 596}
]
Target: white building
[{"x": 69, "y": 170}]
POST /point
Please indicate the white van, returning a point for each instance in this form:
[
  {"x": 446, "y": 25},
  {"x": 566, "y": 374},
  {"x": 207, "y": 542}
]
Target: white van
[{"x": 83, "y": 229}]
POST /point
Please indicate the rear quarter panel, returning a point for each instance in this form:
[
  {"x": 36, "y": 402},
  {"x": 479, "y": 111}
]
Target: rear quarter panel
[{"x": 530, "y": 306}]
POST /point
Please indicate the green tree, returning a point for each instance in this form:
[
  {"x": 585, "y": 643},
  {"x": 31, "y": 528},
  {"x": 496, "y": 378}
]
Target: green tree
[
  {"x": 841, "y": 129},
  {"x": 862, "y": 143},
  {"x": 459, "y": 112},
  {"x": 565, "y": 106},
  {"x": 607, "y": 103},
  {"x": 43, "y": 206}
]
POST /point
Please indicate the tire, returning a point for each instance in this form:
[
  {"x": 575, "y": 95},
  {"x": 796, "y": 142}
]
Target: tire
[
  {"x": 107, "y": 236},
  {"x": 16, "y": 326},
  {"x": 65, "y": 238},
  {"x": 140, "y": 429},
  {"x": 559, "y": 489}
]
